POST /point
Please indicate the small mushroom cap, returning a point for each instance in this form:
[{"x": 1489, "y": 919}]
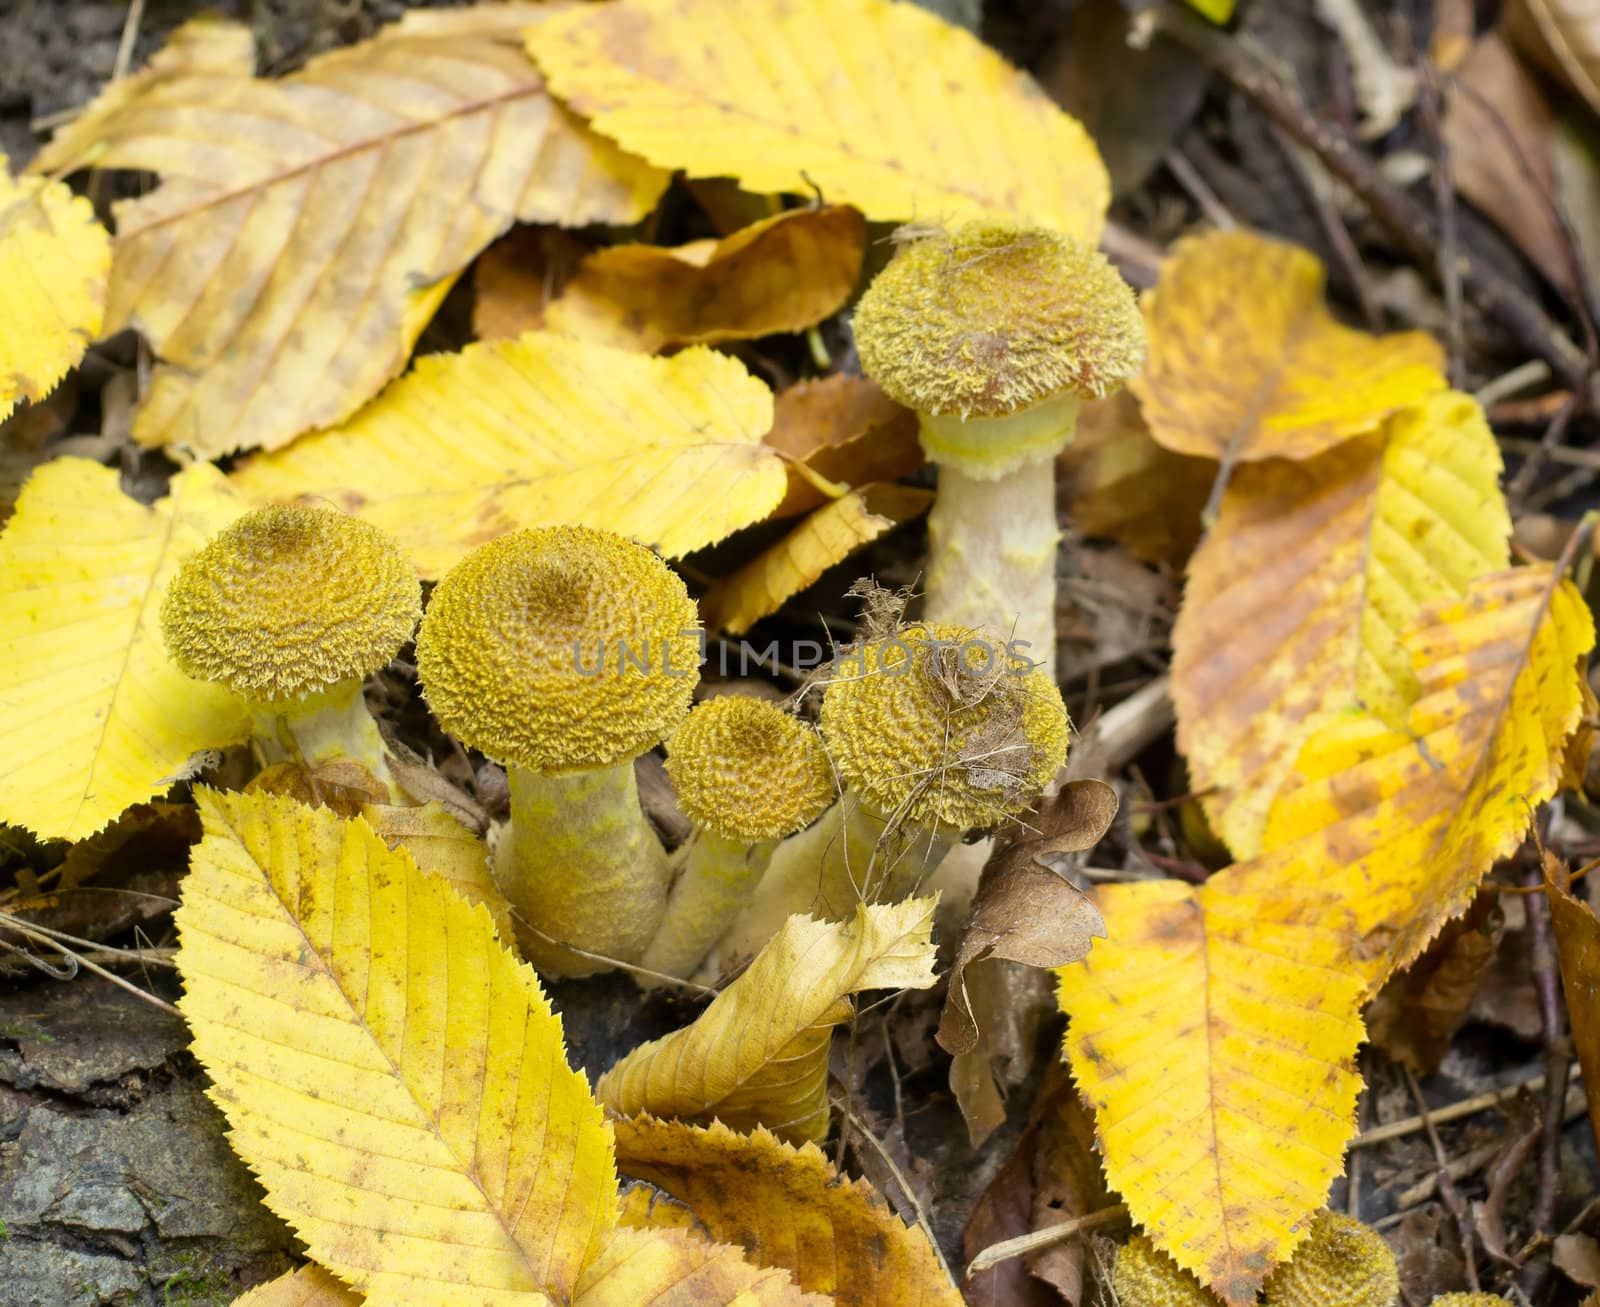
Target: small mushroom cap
[
  {"x": 288, "y": 601},
  {"x": 1341, "y": 1263},
  {"x": 940, "y": 725},
  {"x": 1144, "y": 1276},
  {"x": 992, "y": 318},
  {"x": 560, "y": 649},
  {"x": 747, "y": 770}
]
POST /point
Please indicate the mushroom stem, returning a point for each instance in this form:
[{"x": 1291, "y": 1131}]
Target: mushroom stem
[
  {"x": 580, "y": 864},
  {"x": 322, "y": 726},
  {"x": 715, "y": 882},
  {"x": 871, "y": 858},
  {"x": 992, "y": 557}
]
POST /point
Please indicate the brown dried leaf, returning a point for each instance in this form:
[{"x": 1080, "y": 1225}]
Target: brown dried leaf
[
  {"x": 1577, "y": 931},
  {"x": 517, "y": 278},
  {"x": 1026, "y": 911},
  {"x": 843, "y": 428},
  {"x": 1563, "y": 36},
  {"x": 782, "y": 274}
]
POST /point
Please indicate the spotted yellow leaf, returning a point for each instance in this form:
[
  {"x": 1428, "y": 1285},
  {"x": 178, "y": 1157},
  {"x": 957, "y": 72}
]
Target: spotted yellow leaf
[
  {"x": 93, "y": 715},
  {"x": 54, "y": 258},
  {"x": 539, "y": 431},
  {"x": 307, "y": 227},
  {"x": 1297, "y": 601},
  {"x": 872, "y": 103},
  {"x": 310, "y": 1286},
  {"x": 1215, "y": 1029},
  {"x": 1245, "y": 362},
  {"x": 676, "y": 1268},
  {"x": 759, "y": 1054}
]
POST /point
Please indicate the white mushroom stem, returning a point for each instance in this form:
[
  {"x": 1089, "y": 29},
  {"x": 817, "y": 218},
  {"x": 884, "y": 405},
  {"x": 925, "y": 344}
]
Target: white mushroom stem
[
  {"x": 333, "y": 723},
  {"x": 716, "y": 877},
  {"x": 580, "y": 865}
]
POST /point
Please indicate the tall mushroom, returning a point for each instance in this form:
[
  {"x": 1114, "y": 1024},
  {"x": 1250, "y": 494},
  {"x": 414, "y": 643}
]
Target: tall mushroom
[
  {"x": 291, "y": 608},
  {"x": 994, "y": 333},
  {"x": 746, "y": 773},
  {"x": 564, "y": 653}
]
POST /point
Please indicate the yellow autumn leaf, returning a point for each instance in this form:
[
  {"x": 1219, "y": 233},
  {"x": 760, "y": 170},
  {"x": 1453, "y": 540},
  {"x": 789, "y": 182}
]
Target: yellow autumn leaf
[
  {"x": 840, "y": 428},
  {"x": 876, "y": 104},
  {"x": 1218, "y": 11},
  {"x": 1245, "y": 362},
  {"x": 54, "y": 258},
  {"x": 1297, "y": 600},
  {"x": 283, "y": 271},
  {"x": 1239, "y": 1000},
  {"x": 542, "y": 431},
  {"x": 310, "y": 1286},
  {"x": 93, "y": 716},
  {"x": 443, "y": 846},
  {"x": 674, "y": 1268},
  {"x": 826, "y": 537},
  {"x": 759, "y": 1054},
  {"x": 390, "y": 1072},
  {"x": 788, "y": 1207},
  {"x": 782, "y": 274}
]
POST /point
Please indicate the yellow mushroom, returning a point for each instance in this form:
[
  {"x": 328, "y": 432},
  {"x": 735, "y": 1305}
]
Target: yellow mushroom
[
  {"x": 1144, "y": 1276},
  {"x": 564, "y": 653},
  {"x": 994, "y": 333},
  {"x": 291, "y": 608},
  {"x": 746, "y": 773},
  {"x": 1341, "y": 1263}
]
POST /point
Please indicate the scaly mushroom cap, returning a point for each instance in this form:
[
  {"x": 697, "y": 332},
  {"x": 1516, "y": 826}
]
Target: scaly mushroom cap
[
  {"x": 939, "y": 725},
  {"x": 1144, "y": 1276},
  {"x": 747, "y": 770},
  {"x": 560, "y": 649},
  {"x": 992, "y": 318},
  {"x": 1341, "y": 1263},
  {"x": 288, "y": 601}
]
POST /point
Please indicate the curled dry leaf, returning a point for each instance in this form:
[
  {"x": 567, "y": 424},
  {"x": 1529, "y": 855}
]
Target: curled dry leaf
[
  {"x": 1239, "y": 999},
  {"x": 543, "y": 430},
  {"x": 784, "y": 273},
  {"x": 822, "y": 540},
  {"x": 844, "y": 429},
  {"x": 759, "y": 1054},
  {"x": 517, "y": 278},
  {"x": 1577, "y": 932},
  {"x": 93, "y": 715},
  {"x": 787, "y": 1207},
  {"x": 1245, "y": 361},
  {"x": 1026, "y": 911},
  {"x": 283, "y": 273},
  {"x": 1563, "y": 36},
  {"x": 883, "y": 121},
  {"x": 310, "y": 1286},
  {"x": 675, "y": 1268},
  {"x": 54, "y": 258},
  {"x": 1298, "y": 598}
]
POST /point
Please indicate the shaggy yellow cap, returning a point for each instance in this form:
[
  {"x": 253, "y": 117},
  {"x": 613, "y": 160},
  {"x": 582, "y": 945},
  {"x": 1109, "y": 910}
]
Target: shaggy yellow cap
[
  {"x": 747, "y": 770},
  {"x": 940, "y": 726},
  {"x": 1341, "y": 1263},
  {"x": 992, "y": 318},
  {"x": 1147, "y": 1277},
  {"x": 288, "y": 601},
  {"x": 560, "y": 649}
]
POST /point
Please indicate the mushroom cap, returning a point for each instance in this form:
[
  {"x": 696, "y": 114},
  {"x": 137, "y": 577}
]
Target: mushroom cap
[
  {"x": 1341, "y": 1263},
  {"x": 288, "y": 601},
  {"x": 560, "y": 649},
  {"x": 747, "y": 770},
  {"x": 1144, "y": 1276},
  {"x": 939, "y": 725},
  {"x": 992, "y": 318}
]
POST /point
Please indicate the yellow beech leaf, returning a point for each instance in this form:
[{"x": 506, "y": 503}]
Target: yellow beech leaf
[
  {"x": 1121, "y": 485},
  {"x": 1240, "y": 999},
  {"x": 540, "y": 431},
  {"x": 788, "y": 1207},
  {"x": 54, "y": 258},
  {"x": 843, "y": 429},
  {"x": 307, "y": 228},
  {"x": 876, "y": 104},
  {"x": 827, "y": 537},
  {"x": 392, "y": 1074},
  {"x": 759, "y": 1054},
  {"x": 675, "y": 1268},
  {"x": 1245, "y": 362},
  {"x": 782, "y": 274},
  {"x": 442, "y": 845},
  {"x": 310, "y": 1286},
  {"x": 1218, "y": 11},
  {"x": 93, "y": 716},
  {"x": 1297, "y": 601}
]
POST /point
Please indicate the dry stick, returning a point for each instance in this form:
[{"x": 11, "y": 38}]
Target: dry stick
[
  {"x": 1447, "y": 1187},
  {"x": 1382, "y": 1134},
  {"x": 916, "y": 1204},
  {"x": 1444, "y": 198},
  {"x": 78, "y": 959},
  {"x": 1024, "y": 1244},
  {"x": 1410, "y": 224},
  {"x": 1547, "y": 983}
]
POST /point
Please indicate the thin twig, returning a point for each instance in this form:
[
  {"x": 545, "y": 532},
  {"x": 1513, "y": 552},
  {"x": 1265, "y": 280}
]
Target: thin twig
[
  {"x": 1447, "y": 1187},
  {"x": 1552, "y": 1023},
  {"x": 1382, "y": 1134},
  {"x": 1444, "y": 198},
  {"x": 1051, "y": 1235},
  {"x": 911, "y": 1195}
]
